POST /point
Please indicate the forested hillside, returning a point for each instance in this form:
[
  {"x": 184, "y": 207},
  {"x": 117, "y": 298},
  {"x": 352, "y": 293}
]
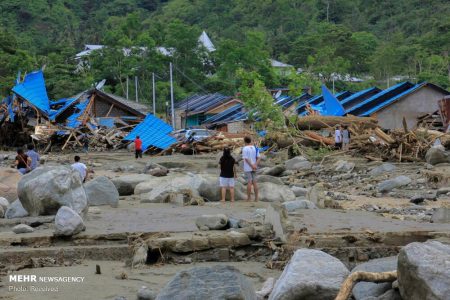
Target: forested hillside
[{"x": 373, "y": 38}]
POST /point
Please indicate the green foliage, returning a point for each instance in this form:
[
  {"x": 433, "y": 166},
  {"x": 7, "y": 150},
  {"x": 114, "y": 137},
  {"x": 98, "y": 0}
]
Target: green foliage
[
  {"x": 258, "y": 101},
  {"x": 374, "y": 39},
  {"x": 304, "y": 82}
]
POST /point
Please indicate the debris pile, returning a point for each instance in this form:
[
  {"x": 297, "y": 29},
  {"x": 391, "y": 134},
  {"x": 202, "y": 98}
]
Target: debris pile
[{"x": 217, "y": 142}]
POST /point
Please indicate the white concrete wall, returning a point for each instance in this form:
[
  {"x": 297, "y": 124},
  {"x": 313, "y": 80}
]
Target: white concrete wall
[{"x": 423, "y": 101}]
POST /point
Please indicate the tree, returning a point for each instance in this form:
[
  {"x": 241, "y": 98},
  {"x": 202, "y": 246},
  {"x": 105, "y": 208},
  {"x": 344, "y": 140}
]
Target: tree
[{"x": 258, "y": 100}]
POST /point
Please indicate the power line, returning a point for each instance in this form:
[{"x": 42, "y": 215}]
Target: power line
[{"x": 191, "y": 80}]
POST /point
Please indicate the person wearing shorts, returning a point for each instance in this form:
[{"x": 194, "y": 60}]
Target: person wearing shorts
[
  {"x": 251, "y": 159},
  {"x": 227, "y": 174}
]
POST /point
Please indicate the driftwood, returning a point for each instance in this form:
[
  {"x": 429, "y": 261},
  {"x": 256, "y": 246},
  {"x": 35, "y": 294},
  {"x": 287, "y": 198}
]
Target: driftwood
[
  {"x": 347, "y": 287},
  {"x": 316, "y": 122}
]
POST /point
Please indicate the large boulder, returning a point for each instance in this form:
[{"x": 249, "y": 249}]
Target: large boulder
[
  {"x": 423, "y": 271},
  {"x": 299, "y": 191},
  {"x": 274, "y": 171},
  {"x": 270, "y": 192},
  {"x": 155, "y": 170},
  {"x": 212, "y": 222},
  {"x": 214, "y": 283},
  {"x": 15, "y": 210},
  {"x": 126, "y": 184},
  {"x": 68, "y": 222},
  {"x": 4, "y": 203},
  {"x": 441, "y": 215},
  {"x": 381, "y": 169},
  {"x": 310, "y": 275},
  {"x": 208, "y": 188},
  {"x": 101, "y": 191},
  {"x": 437, "y": 155},
  {"x": 298, "y": 163},
  {"x": 362, "y": 290},
  {"x": 317, "y": 194},
  {"x": 390, "y": 184},
  {"x": 8, "y": 183},
  {"x": 298, "y": 204},
  {"x": 268, "y": 178},
  {"x": 44, "y": 190}
]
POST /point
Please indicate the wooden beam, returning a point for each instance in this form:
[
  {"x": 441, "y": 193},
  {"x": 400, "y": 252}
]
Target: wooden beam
[{"x": 110, "y": 109}]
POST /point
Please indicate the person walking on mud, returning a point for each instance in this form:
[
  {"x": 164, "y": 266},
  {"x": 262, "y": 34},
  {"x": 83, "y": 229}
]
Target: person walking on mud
[
  {"x": 137, "y": 147},
  {"x": 251, "y": 158},
  {"x": 228, "y": 174}
]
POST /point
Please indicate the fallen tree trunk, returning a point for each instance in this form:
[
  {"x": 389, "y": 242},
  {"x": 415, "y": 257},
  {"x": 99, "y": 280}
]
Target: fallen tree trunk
[
  {"x": 347, "y": 287},
  {"x": 319, "y": 122}
]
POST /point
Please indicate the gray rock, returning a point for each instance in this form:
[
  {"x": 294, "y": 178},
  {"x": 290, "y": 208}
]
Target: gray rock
[
  {"x": 213, "y": 283},
  {"x": 211, "y": 222},
  {"x": 317, "y": 195},
  {"x": 390, "y": 184},
  {"x": 271, "y": 179},
  {"x": 344, "y": 166},
  {"x": 15, "y": 210},
  {"x": 68, "y": 222},
  {"x": 443, "y": 191},
  {"x": 155, "y": 170},
  {"x": 274, "y": 171},
  {"x": 44, "y": 190},
  {"x": 270, "y": 192},
  {"x": 101, "y": 191},
  {"x": 423, "y": 271},
  {"x": 390, "y": 295},
  {"x": 441, "y": 215},
  {"x": 125, "y": 184},
  {"x": 208, "y": 188},
  {"x": 381, "y": 169},
  {"x": 298, "y": 163},
  {"x": 298, "y": 204},
  {"x": 22, "y": 228},
  {"x": 363, "y": 290},
  {"x": 416, "y": 199},
  {"x": 145, "y": 293},
  {"x": 276, "y": 215},
  {"x": 437, "y": 155},
  {"x": 4, "y": 203},
  {"x": 2, "y": 212},
  {"x": 310, "y": 275},
  {"x": 299, "y": 191}
]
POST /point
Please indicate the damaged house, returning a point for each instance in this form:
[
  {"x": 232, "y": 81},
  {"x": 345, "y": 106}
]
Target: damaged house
[{"x": 105, "y": 119}]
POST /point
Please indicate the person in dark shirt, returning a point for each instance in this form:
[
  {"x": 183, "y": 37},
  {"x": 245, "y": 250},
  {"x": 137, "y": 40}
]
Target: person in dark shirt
[
  {"x": 227, "y": 174},
  {"x": 22, "y": 162}
]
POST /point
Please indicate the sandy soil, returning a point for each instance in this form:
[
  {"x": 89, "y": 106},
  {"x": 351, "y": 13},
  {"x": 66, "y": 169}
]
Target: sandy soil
[{"x": 108, "y": 285}]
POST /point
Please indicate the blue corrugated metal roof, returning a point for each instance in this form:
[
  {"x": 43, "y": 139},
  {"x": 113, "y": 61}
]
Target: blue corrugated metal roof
[
  {"x": 201, "y": 103},
  {"x": 32, "y": 89},
  {"x": 68, "y": 102},
  {"x": 376, "y": 99},
  {"x": 225, "y": 114},
  {"x": 319, "y": 101},
  {"x": 106, "y": 122},
  {"x": 350, "y": 100},
  {"x": 393, "y": 99},
  {"x": 72, "y": 121},
  {"x": 331, "y": 104},
  {"x": 153, "y": 133}
]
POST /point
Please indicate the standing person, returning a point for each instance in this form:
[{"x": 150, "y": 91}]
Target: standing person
[
  {"x": 22, "y": 162},
  {"x": 345, "y": 138},
  {"x": 338, "y": 137},
  {"x": 34, "y": 156},
  {"x": 138, "y": 147},
  {"x": 251, "y": 159},
  {"x": 80, "y": 167},
  {"x": 227, "y": 174},
  {"x": 85, "y": 142}
]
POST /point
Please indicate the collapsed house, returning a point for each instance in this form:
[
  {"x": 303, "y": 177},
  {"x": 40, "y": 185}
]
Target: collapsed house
[{"x": 100, "y": 117}]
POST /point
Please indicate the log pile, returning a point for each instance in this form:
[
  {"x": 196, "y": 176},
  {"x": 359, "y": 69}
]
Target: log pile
[{"x": 214, "y": 143}]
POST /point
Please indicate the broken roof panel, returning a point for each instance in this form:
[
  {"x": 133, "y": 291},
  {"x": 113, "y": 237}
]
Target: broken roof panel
[
  {"x": 201, "y": 103},
  {"x": 332, "y": 106},
  {"x": 378, "y": 99},
  {"x": 358, "y": 97},
  {"x": 153, "y": 133},
  {"x": 32, "y": 89}
]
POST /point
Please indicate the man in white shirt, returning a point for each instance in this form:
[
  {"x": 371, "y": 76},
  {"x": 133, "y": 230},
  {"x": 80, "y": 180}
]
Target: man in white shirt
[
  {"x": 338, "y": 137},
  {"x": 251, "y": 159},
  {"x": 80, "y": 167}
]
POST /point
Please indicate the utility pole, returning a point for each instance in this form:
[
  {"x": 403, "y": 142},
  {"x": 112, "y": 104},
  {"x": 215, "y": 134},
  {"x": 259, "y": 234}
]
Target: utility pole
[
  {"x": 136, "y": 87},
  {"x": 171, "y": 98},
  {"x": 127, "y": 87},
  {"x": 154, "y": 94}
]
